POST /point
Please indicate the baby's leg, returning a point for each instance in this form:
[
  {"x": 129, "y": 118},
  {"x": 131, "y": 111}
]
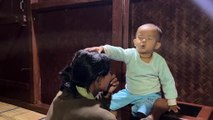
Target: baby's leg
[
  {"x": 143, "y": 106},
  {"x": 159, "y": 108},
  {"x": 119, "y": 100}
]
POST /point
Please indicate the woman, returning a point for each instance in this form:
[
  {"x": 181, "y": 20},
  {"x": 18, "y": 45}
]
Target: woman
[{"x": 83, "y": 80}]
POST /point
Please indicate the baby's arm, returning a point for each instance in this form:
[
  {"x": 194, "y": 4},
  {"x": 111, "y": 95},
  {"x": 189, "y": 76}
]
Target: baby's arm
[
  {"x": 113, "y": 52},
  {"x": 168, "y": 86}
]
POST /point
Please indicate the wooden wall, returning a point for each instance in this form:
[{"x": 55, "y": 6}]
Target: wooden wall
[{"x": 15, "y": 52}]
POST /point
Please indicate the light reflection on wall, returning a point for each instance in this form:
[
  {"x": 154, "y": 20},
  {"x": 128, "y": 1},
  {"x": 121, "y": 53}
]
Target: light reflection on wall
[{"x": 206, "y": 6}]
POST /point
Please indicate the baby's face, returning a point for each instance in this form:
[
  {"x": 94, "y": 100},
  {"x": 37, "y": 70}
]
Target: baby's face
[{"x": 146, "y": 39}]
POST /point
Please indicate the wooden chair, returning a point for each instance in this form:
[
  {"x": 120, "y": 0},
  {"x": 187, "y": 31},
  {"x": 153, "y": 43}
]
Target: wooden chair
[{"x": 189, "y": 111}]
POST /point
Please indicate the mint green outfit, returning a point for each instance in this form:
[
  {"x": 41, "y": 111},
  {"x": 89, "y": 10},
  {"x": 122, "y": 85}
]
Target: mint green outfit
[{"x": 142, "y": 78}]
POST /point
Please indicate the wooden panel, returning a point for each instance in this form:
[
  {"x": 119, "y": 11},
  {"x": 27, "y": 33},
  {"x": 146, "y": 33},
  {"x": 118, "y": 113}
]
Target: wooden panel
[
  {"x": 186, "y": 44},
  {"x": 12, "y": 11},
  {"x": 46, "y": 4},
  {"x": 61, "y": 32},
  {"x": 15, "y": 62}
]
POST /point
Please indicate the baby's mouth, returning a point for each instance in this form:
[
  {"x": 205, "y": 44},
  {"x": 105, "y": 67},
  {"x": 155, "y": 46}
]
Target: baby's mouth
[{"x": 142, "y": 46}]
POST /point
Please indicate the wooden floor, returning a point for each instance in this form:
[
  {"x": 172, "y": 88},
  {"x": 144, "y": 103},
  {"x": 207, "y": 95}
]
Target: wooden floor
[{"x": 11, "y": 112}]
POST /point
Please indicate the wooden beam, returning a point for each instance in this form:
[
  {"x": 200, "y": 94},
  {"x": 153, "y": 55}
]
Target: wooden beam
[
  {"x": 36, "y": 77},
  {"x": 61, "y": 3},
  {"x": 117, "y": 22},
  {"x": 126, "y": 39},
  {"x": 120, "y": 24}
]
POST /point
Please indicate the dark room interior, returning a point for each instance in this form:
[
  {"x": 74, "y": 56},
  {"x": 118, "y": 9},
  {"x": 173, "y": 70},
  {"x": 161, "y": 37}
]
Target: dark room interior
[{"x": 39, "y": 37}]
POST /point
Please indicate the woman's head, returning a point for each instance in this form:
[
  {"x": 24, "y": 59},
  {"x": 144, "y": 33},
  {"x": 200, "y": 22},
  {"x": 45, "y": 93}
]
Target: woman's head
[{"x": 85, "y": 69}]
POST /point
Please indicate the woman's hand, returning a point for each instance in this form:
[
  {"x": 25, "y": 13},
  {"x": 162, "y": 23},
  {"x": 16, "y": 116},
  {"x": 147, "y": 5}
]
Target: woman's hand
[{"x": 112, "y": 86}]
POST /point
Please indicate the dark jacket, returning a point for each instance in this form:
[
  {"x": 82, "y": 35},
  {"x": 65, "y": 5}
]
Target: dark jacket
[{"x": 66, "y": 107}]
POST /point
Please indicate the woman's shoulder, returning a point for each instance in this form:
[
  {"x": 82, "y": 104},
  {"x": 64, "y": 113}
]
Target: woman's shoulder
[
  {"x": 99, "y": 113},
  {"x": 79, "y": 108}
]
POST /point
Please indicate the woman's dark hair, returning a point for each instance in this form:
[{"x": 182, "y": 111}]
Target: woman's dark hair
[{"x": 84, "y": 69}]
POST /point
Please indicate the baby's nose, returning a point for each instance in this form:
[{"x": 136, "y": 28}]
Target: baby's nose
[{"x": 143, "y": 40}]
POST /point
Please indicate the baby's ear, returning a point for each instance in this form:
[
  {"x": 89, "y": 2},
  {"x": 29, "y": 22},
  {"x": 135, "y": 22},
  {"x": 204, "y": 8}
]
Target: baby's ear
[
  {"x": 158, "y": 45},
  {"x": 134, "y": 42}
]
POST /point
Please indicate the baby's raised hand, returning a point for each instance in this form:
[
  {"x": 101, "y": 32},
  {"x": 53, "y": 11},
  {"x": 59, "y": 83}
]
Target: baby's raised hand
[{"x": 95, "y": 49}]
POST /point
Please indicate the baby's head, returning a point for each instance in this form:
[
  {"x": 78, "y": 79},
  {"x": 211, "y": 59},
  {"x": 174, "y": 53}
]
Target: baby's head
[
  {"x": 156, "y": 31},
  {"x": 147, "y": 38}
]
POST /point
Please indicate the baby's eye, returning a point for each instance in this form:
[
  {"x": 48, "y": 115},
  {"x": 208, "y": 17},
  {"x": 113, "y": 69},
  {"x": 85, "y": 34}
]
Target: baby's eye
[
  {"x": 149, "y": 38},
  {"x": 140, "y": 38}
]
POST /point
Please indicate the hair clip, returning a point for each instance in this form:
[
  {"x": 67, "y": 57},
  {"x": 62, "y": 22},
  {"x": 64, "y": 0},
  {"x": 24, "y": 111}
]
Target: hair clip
[{"x": 67, "y": 84}]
